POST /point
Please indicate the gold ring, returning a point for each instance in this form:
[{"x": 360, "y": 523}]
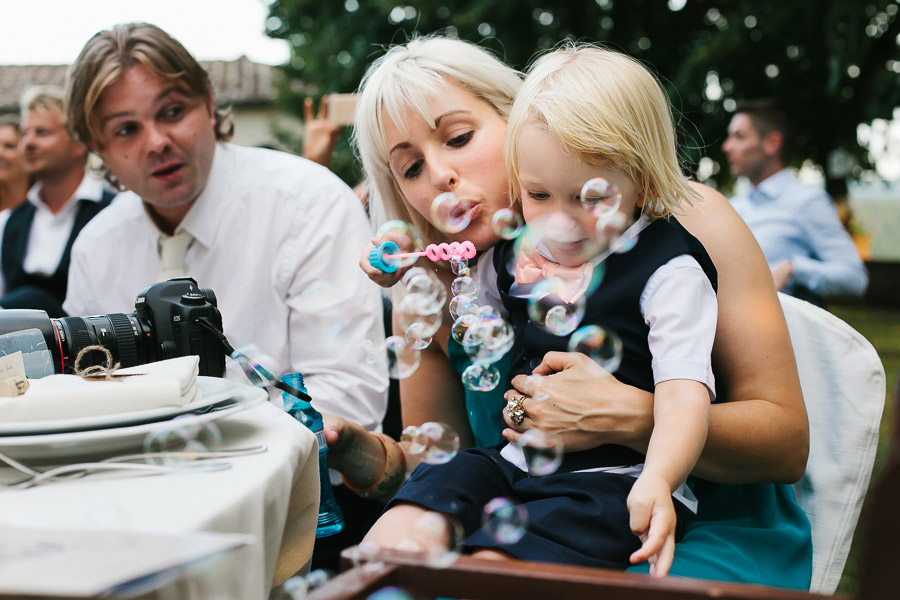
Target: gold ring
[{"x": 515, "y": 410}]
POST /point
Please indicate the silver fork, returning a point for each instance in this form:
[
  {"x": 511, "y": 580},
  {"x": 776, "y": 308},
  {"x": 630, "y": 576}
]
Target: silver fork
[
  {"x": 196, "y": 459},
  {"x": 84, "y": 468}
]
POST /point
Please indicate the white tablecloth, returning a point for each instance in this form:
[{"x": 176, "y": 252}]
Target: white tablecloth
[{"x": 272, "y": 496}]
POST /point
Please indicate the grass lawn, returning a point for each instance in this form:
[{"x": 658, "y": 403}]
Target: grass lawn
[{"x": 881, "y": 327}]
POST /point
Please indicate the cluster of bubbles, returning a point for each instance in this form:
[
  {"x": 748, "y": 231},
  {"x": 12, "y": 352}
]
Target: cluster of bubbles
[
  {"x": 487, "y": 337},
  {"x": 436, "y": 443},
  {"x": 422, "y": 297},
  {"x": 482, "y": 332}
]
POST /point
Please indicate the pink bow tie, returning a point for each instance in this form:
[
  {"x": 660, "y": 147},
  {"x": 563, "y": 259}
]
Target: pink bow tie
[{"x": 571, "y": 282}]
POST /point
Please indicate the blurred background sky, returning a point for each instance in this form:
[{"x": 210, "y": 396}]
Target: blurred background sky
[{"x": 54, "y": 31}]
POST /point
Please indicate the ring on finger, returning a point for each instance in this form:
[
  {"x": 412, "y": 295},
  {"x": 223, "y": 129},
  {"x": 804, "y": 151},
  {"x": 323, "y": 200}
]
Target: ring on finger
[{"x": 515, "y": 409}]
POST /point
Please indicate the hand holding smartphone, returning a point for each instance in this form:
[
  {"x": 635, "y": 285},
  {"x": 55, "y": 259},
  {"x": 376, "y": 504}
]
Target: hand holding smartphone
[{"x": 341, "y": 108}]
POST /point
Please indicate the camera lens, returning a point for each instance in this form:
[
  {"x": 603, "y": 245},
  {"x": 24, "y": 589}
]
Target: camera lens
[{"x": 126, "y": 337}]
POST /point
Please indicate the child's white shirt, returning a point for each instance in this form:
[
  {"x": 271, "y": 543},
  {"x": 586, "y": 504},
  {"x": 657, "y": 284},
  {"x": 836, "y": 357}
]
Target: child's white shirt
[{"x": 681, "y": 346}]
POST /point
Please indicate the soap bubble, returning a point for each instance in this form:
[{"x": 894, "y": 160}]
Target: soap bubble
[
  {"x": 462, "y": 305},
  {"x": 402, "y": 358},
  {"x": 459, "y": 266},
  {"x": 368, "y": 352},
  {"x": 464, "y": 286},
  {"x": 424, "y": 283},
  {"x": 534, "y": 387},
  {"x": 451, "y": 214},
  {"x": 296, "y": 587},
  {"x": 407, "y": 238},
  {"x": 365, "y": 555},
  {"x": 440, "y": 537},
  {"x": 488, "y": 339},
  {"x": 184, "y": 438},
  {"x": 601, "y": 345},
  {"x": 487, "y": 310},
  {"x": 258, "y": 366},
  {"x": 504, "y": 521},
  {"x": 481, "y": 377},
  {"x": 436, "y": 442},
  {"x": 414, "y": 340},
  {"x": 562, "y": 238},
  {"x": 601, "y": 198},
  {"x": 421, "y": 311},
  {"x": 543, "y": 451},
  {"x": 461, "y": 326},
  {"x": 547, "y": 310},
  {"x": 626, "y": 244},
  {"x": 390, "y": 593},
  {"x": 319, "y": 305},
  {"x": 506, "y": 223}
]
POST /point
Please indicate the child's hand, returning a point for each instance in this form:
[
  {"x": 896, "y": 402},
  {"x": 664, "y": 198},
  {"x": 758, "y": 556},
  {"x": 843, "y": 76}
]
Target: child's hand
[{"x": 653, "y": 521}]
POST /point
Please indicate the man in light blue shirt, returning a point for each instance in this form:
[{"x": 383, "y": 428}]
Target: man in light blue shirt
[{"x": 810, "y": 253}]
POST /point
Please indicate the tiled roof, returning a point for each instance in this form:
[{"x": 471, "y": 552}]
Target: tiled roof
[{"x": 237, "y": 82}]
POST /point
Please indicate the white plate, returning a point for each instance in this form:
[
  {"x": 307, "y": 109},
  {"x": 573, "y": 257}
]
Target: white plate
[
  {"x": 114, "y": 440},
  {"x": 212, "y": 390}
]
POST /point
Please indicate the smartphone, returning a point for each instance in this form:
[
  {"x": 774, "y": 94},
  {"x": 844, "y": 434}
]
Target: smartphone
[{"x": 341, "y": 108}]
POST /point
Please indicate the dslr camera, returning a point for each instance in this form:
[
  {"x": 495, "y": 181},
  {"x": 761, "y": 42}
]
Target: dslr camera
[{"x": 172, "y": 318}]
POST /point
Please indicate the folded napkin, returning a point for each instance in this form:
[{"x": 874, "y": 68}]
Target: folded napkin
[{"x": 170, "y": 382}]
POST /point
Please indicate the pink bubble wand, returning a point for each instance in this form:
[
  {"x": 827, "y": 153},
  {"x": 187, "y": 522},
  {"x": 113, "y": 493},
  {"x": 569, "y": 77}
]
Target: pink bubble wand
[{"x": 386, "y": 255}]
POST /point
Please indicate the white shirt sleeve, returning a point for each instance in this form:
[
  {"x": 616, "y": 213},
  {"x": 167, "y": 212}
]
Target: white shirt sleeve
[
  {"x": 328, "y": 328},
  {"x": 679, "y": 305}
]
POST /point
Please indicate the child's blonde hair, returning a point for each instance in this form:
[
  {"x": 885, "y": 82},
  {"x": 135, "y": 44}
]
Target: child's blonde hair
[
  {"x": 404, "y": 79},
  {"x": 607, "y": 110}
]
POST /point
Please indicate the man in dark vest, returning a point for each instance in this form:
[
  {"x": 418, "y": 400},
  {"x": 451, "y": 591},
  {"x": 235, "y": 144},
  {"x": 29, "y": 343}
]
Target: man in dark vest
[{"x": 36, "y": 237}]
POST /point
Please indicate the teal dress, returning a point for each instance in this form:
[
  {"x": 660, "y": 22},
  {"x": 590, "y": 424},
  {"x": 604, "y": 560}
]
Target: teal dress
[{"x": 752, "y": 533}]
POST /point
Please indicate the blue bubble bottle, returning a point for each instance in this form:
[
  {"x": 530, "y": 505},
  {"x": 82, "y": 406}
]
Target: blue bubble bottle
[{"x": 331, "y": 519}]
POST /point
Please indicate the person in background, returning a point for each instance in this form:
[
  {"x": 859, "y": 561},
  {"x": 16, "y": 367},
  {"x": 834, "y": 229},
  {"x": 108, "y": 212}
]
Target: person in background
[
  {"x": 37, "y": 236},
  {"x": 14, "y": 182},
  {"x": 810, "y": 253},
  {"x": 274, "y": 235}
]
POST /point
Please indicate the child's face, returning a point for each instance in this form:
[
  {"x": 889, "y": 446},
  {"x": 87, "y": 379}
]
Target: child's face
[{"x": 550, "y": 183}]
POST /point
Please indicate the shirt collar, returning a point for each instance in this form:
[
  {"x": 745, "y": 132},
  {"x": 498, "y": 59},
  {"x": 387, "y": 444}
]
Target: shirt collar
[
  {"x": 90, "y": 189},
  {"x": 771, "y": 187}
]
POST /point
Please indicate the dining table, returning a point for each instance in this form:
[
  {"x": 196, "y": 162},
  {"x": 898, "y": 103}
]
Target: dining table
[{"x": 265, "y": 503}]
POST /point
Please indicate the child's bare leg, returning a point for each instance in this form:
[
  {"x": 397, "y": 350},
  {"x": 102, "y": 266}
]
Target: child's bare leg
[{"x": 395, "y": 526}]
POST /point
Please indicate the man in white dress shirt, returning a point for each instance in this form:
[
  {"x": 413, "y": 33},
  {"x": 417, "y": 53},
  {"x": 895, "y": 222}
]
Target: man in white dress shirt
[
  {"x": 36, "y": 237},
  {"x": 275, "y": 236}
]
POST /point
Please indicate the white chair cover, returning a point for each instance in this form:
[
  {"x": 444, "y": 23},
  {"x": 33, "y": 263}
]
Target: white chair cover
[{"x": 843, "y": 385}]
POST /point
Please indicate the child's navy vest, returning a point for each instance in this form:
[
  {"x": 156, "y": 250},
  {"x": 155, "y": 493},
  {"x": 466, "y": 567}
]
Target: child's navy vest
[{"x": 614, "y": 305}]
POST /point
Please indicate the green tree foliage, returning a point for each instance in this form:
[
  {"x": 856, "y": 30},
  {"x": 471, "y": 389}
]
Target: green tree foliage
[{"x": 834, "y": 62}]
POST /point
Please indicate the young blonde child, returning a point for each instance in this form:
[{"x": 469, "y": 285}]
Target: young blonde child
[{"x": 585, "y": 113}]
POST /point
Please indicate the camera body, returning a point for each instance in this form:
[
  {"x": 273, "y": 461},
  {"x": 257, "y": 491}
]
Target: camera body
[
  {"x": 172, "y": 318},
  {"x": 177, "y": 308}
]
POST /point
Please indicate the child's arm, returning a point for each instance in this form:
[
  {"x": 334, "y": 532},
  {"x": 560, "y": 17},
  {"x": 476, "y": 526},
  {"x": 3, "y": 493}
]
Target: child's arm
[{"x": 681, "y": 415}]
